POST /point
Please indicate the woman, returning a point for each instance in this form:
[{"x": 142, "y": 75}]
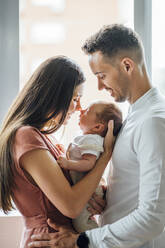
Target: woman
[{"x": 30, "y": 175}]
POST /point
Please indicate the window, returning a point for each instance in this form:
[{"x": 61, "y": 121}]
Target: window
[{"x": 158, "y": 41}]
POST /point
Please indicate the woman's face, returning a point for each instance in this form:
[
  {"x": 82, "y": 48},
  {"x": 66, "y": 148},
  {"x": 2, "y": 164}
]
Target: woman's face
[
  {"x": 74, "y": 106},
  {"x": 75, "y": 102}
]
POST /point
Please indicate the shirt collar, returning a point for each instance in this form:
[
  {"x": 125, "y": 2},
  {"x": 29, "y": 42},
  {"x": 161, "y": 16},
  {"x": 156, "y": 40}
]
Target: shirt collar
[{"x": 143, "y": 100}]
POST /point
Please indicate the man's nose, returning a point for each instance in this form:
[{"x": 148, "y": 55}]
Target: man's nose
[
  {"x": 100, "y": 85},
  {"x": 82, "y": 112}
]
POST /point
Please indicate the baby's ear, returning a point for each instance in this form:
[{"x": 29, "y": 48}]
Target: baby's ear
[{"x": 99, "y": 127}]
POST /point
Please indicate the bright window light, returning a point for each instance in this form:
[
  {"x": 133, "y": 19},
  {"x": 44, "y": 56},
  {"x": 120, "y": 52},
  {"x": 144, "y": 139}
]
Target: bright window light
[
  {"x": 49, "y": 33},
  {"x": 158, "y": 41},
  {"x": 36, "y": 63},
  {"x": 126, "y": 14},
  {"x": 158, "y": 34},
  {"x": 22, "y": 5},
  {"x": 57, "y": 6}
]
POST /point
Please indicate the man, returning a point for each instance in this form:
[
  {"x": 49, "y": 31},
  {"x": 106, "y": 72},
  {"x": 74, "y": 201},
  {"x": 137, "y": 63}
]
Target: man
[{"x": 135, "y": 211}]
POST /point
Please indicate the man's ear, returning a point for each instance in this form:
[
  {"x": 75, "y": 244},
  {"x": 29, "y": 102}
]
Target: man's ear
[
  {"x": 127, "y": 65},
  {"x": 99, "y": 127}
]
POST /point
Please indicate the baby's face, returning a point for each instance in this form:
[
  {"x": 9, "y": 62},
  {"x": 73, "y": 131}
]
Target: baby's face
[{"x": 88, "y": 118}]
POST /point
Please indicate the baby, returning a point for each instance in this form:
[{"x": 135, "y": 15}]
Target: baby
[{"x": 85, "y": 149}]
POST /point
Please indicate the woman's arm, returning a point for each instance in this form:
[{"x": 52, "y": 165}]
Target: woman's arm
[
  {"x": 41, "y": 165},
  {"x": 70, "y": 200}
]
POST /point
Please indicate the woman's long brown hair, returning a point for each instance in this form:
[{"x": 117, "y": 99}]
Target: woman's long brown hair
[{"x": 48, "y": 93}]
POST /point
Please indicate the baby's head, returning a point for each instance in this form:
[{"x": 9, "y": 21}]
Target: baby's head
[{"x": 94, "y": 119}]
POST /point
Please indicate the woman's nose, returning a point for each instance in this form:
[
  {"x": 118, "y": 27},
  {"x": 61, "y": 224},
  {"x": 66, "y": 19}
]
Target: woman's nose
[{"x": 78, "y": 106}]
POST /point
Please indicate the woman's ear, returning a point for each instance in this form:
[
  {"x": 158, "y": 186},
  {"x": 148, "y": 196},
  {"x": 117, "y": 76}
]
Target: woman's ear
[{"x": 127, "y": 65}]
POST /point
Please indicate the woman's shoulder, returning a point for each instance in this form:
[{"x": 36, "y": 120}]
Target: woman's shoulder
[
  {"x": 28, "y": 133},
  {"x": 26, "y": 130}
]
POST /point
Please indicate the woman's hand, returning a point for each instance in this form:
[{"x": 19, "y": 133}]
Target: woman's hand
[
  {"x": 54, "y": 240},
  {"x": 109, "y": 140},
  {"x": 64, "y": 238}
]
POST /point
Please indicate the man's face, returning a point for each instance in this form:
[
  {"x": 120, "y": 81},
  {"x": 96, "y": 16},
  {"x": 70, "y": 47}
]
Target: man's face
[{"x": 110, "y": 77}]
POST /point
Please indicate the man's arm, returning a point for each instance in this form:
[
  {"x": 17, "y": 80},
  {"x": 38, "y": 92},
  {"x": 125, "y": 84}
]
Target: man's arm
[
  {"x": 85, "y": 164},
  {"x": 148, "y": 220}
]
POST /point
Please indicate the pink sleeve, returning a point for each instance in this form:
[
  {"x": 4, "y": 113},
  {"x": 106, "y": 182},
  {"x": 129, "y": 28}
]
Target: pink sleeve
[{"x": 27, "y": 139}]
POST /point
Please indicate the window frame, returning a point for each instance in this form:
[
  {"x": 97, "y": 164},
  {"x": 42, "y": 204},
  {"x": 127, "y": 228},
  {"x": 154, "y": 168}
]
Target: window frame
[{"x": 143, "y": 26}]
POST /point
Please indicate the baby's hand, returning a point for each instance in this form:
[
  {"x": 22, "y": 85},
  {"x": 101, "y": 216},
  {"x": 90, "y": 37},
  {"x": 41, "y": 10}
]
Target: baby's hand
[
  {"x": 63, "y": 162},
  {"x": 60, "y": 147}
]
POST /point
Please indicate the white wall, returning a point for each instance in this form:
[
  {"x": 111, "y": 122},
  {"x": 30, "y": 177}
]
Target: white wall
[{"x": 10, "y": 231}]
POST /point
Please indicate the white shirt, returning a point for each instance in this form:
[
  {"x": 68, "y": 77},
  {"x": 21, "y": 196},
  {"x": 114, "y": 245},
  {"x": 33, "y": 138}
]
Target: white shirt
[{"x": 135, "y": 212}]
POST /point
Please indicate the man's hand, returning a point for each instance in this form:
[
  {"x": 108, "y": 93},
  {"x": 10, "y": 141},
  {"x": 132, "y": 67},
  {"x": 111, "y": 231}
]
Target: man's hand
[
  {"x": 97, "y": 205},
  {"x": 63, "y": 238},
  {"x": 97, "y": 202},
  {"x": 63, "y": 162},
  {"x": 109, "y": 139}
]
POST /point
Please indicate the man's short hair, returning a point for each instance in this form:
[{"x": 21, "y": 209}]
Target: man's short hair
[{"x": 115, "y": 40}]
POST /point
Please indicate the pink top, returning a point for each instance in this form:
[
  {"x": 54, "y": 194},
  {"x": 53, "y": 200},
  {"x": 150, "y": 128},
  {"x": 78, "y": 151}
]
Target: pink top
[{"x": 28, "y": 197}]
